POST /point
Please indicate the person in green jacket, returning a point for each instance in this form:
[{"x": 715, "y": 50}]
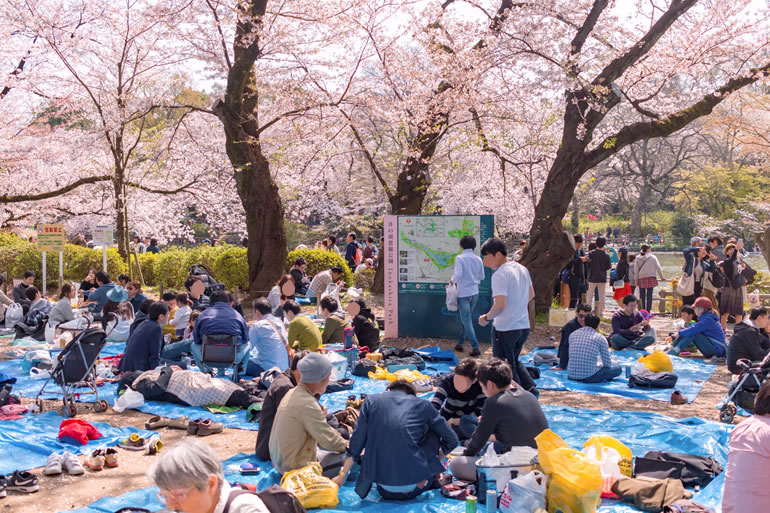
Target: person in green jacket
[
  {"x": 334, "y": 329},
  {"x": 303, "y": 333}
]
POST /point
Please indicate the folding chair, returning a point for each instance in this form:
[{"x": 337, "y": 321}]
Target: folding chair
[{"x": 219, "y": 351}]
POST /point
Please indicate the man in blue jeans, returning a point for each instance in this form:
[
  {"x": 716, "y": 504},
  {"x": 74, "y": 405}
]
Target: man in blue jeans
[
  {"x": 706, "y": 334},
  {"x": 629, "y": 328},
  {"x": 512, "y": 291},
  {"x": 586, "y": 348},
  {"x": 469, "y": 272}
]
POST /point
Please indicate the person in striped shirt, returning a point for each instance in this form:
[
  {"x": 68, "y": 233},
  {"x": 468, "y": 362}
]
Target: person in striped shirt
[{"x": 459, "y": 398}]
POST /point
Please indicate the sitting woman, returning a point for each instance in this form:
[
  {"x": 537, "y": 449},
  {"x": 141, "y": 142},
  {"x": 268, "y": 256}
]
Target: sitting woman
[
  {"x": 62, "y": 312},
  {"x": 367, "y": 332},
  {"x": 335, "y": 326},
  {"x": 117, "y": 315},
  {"x": 88, "y": 284},
  {"x": 182, "y": 316},
  {"x": 190, "y": 478},
  {"x": 748, "y": 460},
  {"x": 285, "y": 287},
  {"x": 299, "y": 273}
]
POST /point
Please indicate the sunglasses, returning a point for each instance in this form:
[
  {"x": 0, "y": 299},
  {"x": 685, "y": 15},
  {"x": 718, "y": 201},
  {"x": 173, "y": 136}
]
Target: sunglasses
[{"x": 582, "y": 316}]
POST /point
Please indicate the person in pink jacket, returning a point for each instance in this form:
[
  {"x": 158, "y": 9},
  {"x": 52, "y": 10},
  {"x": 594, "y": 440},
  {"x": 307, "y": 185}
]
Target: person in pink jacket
[{"x": 748, "y": 460}]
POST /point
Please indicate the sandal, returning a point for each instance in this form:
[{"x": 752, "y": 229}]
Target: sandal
[{"x": 134, "y": 443}]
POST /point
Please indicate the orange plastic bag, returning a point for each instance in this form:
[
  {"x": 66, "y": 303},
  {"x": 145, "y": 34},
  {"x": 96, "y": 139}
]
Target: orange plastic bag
[{"x": 575, "y": 484}]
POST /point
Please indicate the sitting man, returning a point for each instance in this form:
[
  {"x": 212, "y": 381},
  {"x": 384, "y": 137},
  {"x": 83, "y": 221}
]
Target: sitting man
[
  {"x": 629, "y": 328},
  {"x": 221, "y": 319},
  {"x": 510, "y": 417},
  {"x": 267, "y": 338},
  {"x": 141, "y": 315},
  {"x": 98, "y": 298},
  {"x": 568, "y": 329},
  {"x": 399, "y": 441},
  {"x": 706, "y": 334},
  {"x": 747, "y": 342},
  {"x": 459, "y": 398},
  {"x": 324, "y": 279},
  {"x": 39, "y": 308},
  {"x": 303, "y": 333},
  {"x": 586, "y": 348},
  {"x": 280, "y": 386},
  {"x": 334, "y": 329},
  {"x": 20, "y": 290},
  {"x": 143, "y": 347},
  {"x": 300, "y": 422}
]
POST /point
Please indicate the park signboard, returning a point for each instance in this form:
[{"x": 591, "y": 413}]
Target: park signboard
[
  {"x": 50, "y": 237},
  {"x": 420, "y": 253},
  {"x": 103, "y": 235}
]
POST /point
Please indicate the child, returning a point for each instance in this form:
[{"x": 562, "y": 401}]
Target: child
[
  {"x": 182, "y": 315},
  {"x": 188, "y": 332}
]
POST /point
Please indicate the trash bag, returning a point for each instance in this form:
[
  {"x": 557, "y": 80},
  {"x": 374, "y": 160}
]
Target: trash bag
[
  {"x": 657, "y": 362},
  {"x": 13, "y": 314},
  {"x": 131, "y": 399},
  {"x": 525, "y": 494},
  {"x": 451, "y": 298},
  {"x": 39, "y": 358},
  {"x": 575, "y": 484},
  {"x": 626, "y": 463},
  {"x": 311, "y": 488},
  {"x": 333, "y": 291}
]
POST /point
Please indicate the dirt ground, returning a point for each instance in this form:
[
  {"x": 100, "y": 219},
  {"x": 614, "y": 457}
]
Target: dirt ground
[{"x": 65, "y": 492}]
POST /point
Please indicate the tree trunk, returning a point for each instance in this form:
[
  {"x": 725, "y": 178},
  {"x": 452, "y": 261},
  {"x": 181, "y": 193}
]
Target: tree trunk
[
  {"x": 635, "y": 229},
  {"x": 575, "y": 221},
  {"x": 378, "y": 286},
  {"x": 763, "y": 241},
  {"x": 118, "y": 186}
]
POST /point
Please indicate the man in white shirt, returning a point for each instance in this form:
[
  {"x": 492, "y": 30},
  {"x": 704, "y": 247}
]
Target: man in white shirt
[
  {"x": 512, "y": 291},
  {"x": 322, "y": 280},
  {"x": 469, "y": 271}
]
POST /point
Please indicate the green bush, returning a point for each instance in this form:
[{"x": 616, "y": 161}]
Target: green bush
[
  {"x": 364, "y": 279},
  {"x": 320, "y": 260},
  {"x": 78, "y": 260},
  {"x": 171, "y": 268},
  {"x": 232, "y": 268},
  {"x": 147, "y": 262}
]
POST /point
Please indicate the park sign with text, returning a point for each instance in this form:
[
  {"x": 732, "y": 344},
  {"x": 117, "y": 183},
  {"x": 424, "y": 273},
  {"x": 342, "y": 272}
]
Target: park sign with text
[
  {"x": 103, "y": 235},
  {"x": 51, "y": 237}
]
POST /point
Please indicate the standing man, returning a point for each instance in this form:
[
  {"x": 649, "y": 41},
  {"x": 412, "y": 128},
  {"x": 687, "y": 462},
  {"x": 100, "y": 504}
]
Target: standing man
[
  {"x": 350, "y": 251},
  {"x": 512, "y": 291},
  {"x": 599, "y": 264},
  {"x": 717, "y": 247},
  {"x": 578, "y": 268},
  {"x": 469, "y": 271}
]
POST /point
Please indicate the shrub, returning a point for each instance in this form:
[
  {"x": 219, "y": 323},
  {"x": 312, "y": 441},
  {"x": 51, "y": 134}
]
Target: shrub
[
  {"x": 320, "y": 260},
  {"x": 78, "y": 260},
  {"x": 147, "y": 262},
  {"x": 170, "y": 268},
  {"x": 364, "y": 279},
  {"x": 232, "y": 268}
]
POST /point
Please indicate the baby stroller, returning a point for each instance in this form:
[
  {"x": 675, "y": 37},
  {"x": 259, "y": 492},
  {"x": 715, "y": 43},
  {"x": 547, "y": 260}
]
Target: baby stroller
[
  {"x": 743, "y": 391},
  {"x": 207, "y": 277},
  {"x": 74, "y": 367}
]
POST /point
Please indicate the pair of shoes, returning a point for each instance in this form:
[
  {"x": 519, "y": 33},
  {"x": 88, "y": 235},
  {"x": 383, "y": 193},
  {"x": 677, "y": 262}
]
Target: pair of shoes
[
  {"x": 204, "y": 427},
  {"x": 717, "y": 360},
  {"x": 459, "y": 348},
  {"x": 19, "y": 481},
  {"x": 677, "y": 398},
  {"x": 156, "y": 423},
  {"x": 134, "y": 443},
  {"x": 475, "y": 352},
  {"x": 66, "y": 461}
]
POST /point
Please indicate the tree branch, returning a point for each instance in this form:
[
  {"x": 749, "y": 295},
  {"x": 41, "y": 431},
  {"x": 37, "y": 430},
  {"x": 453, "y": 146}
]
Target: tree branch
[
  {"x": 5, "y": 198},
  {"x": 576, "y": 46}
]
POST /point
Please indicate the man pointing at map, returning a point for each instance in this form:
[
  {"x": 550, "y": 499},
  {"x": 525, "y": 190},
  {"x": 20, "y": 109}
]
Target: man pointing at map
[
  {"x": 512, "y": 291},
  {"x": 469, "y": 272}
]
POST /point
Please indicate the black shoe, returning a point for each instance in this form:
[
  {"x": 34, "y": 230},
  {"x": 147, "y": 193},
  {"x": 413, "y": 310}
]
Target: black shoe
[
  {"x": 475, "y": 352},
  {"x": 459, "y": 348},
  {"x": 3, "y": 484},
  {"x": 21, "y": 481}
]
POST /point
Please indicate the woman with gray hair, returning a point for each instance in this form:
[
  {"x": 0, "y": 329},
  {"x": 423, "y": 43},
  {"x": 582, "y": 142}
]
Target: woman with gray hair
[{"x": 191, "y": 480}]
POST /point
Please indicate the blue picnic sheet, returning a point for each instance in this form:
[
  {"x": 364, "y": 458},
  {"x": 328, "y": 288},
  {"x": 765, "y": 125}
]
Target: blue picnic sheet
[
  {"x": 639, "y": 431},
  {"x": 692, "y": 375},
  {"x": 26, "y": 443}
]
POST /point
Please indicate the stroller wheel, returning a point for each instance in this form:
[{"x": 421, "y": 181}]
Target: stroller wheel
[
  {"x": 727, "y": 413},
  {"x": 68, "y": 411},
  {"x": 98, "y": 407}
]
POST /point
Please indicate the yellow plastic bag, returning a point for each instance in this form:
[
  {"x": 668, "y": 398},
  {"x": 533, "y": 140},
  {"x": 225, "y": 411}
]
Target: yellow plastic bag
[
  {"x": 657, "y": 362},
  {"x": 311, "y": 488},
  {"x": 405, "y": 374},
  {"x": 626, "y": 462},
  {"x": 575, "y": 484}
]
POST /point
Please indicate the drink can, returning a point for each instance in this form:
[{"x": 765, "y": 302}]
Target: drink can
[
  {"x": 470, "y": 504},
  {"x": 628, "y": 371},
  {"x": 491, "y": 501}
]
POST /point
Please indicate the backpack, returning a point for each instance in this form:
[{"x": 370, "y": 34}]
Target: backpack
[
  {"x": 276, "y": 499},
  {"x": 358, "y": 257},
  {"x": 717, "y": 278},
  {"x": 614, "y": 275},
  {"x": 749, "y": 274},
  {"x": 652, "y": 380}
]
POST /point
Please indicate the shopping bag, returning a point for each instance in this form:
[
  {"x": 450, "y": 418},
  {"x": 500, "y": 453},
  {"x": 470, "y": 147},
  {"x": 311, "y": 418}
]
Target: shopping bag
[
  {"x": 130, "y": 400},
  {"x": 626, "y": 463},
  {"x": 608, "y": 460},
  {"x": 575, "y": 483},
  {"x": 332, "y": 290},
  {"x": 310, "y": 487},
  {"x": 657, "y": 362},
  {"x": 451, "y": 297},
  {"x": 525, "y": 494},
  {"x": 13, "y": 314}
]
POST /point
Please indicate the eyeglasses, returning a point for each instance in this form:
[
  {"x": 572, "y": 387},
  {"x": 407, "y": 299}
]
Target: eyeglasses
[
  {"x": 582, "y": 316},
  {"x": 176, "y": 495}
]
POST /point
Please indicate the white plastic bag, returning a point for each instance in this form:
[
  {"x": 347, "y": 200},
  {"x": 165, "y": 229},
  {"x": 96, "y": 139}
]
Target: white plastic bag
[
  {"x": 339, "y": 364},
  {"x": 608, "y": 462},
  {"x": 451, "y": 297},
  {"x": 353, "y": 293},
  {"x": 525, "y": 494},
  {"x": 332, "y": 290},
  {"x": 13, "y": 314},
  {"x": 131, "y": 399}
]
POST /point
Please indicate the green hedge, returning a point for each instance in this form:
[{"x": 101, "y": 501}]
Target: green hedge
[
  {"x": 364, "y": 279},
  {"x": 320, "y": 260}
]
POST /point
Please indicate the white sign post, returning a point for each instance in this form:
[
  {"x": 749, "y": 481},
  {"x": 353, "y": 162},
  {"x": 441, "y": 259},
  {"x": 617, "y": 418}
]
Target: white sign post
[
  {"x": 104, "y": 235},
  {"x": 51, "y": 237}
]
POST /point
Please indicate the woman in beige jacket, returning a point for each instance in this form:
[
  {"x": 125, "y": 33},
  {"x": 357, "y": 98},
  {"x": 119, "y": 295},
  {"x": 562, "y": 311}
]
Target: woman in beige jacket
[{"x": 647, "y": 270}]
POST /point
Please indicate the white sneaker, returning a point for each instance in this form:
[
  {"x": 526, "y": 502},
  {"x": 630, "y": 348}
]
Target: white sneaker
[
  {"x": 53, "y": 467},
  {"x": 72, "y": 465}
]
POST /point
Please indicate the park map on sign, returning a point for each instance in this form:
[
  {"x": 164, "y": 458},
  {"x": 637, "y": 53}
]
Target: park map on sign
[{"x": 428, "y": 246}]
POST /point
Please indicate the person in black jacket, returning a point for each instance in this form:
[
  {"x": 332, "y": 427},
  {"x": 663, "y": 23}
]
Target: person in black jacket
[
  {"x": 367, "y": 332},
  {"x": 20, "y": 290},
  {"x": 747, "y": 341},
  {"x": 275, "y": 394},
  {"x": 568, "y": 329},
  {"x": 599, "y": 264},
  {"x": 577, "y": 267}
]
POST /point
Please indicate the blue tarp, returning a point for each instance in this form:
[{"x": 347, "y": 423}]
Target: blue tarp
[
  {"x": 27, "y": 442},
  {"x": 640, "y": 431},
  {"x": 692, "y": 375}
]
